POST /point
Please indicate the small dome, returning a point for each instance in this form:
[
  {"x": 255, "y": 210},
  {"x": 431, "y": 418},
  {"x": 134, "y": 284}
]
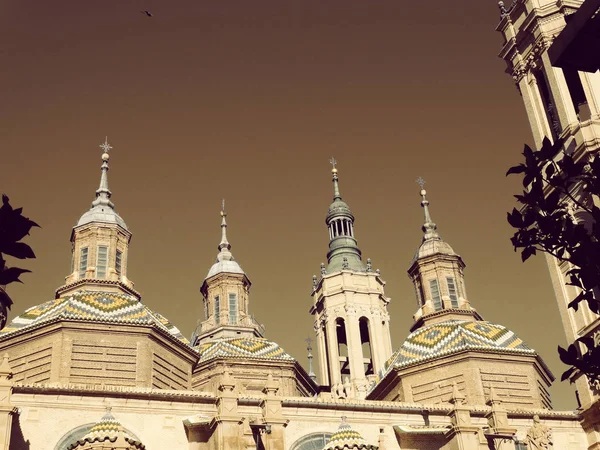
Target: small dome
[
  {"x": 347, "y": 438},
  {"x": 225, "y": 266},
  {"x": 453, "y": 336},
  {"x": 339, "y": 207},
  {"x": 91, "y": 306},
  {"x": 432, "y": 247},
  {"x": 242, "y": 348},
  {"x": 103, "y": 214},
  {"x": 107, "y": 429}
]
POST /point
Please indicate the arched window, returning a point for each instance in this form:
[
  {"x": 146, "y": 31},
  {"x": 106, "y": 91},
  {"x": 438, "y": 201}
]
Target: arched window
[
  {"x": 365, "y": 341},
  {"x": 315, "y": 441},
  {"x": 340, "y": 327}
]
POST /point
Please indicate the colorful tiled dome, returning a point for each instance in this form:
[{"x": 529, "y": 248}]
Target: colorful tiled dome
[
  {"x": 107, "y": 429},
  {"x": 453, "y": 336},
  {"x": 347, "y": 438},
  {"x": 244, "y": 348},
  {"x": 94, "y": 307}
]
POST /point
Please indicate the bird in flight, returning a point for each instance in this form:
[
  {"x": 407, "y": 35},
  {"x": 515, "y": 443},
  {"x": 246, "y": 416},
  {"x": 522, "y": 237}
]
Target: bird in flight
[{"x": 148, "y": 13}]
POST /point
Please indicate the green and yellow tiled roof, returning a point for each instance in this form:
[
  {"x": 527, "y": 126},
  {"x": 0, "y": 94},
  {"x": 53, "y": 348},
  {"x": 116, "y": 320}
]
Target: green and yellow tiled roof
[
  {"x": 449, "y": 337},
  {"x": 252, "y": 348},
  {"x": 347, "y": 438},
  {"x": 107, "y": 429},
  {"x": 91, "y": 306}
]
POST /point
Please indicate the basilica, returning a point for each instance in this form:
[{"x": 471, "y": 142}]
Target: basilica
[{"x": 96, "y": 369}]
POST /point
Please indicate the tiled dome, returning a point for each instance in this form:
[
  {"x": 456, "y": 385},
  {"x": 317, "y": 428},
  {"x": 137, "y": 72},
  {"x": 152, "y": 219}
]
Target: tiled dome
[
  {"x": 92, "y": 306},
  {"x": 347, "y": 438},
  {"x": 107, "y": 429},
  {"x": 243, "y": 348},
  {"x": 453, "y": 336}
]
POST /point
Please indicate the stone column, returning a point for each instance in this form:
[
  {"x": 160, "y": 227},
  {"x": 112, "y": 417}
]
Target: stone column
[
  {"x": 498, "y": 421},
  {"x": 334, "y": 357},
  {"x": 355, "y": 354},
  {"x": 559, "y": 92},
  {"x": 228, "y": 419},
  {"x": 7, "y": 410},
  {"x": 272, "y": 416},
  {"x": 463, "y": 434}
]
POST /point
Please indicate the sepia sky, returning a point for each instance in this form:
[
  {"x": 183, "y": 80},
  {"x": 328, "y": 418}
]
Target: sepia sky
[{"x": 247, "y": 101}]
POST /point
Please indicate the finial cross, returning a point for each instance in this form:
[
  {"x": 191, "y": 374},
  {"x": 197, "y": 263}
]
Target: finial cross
[
  {"x": 308, "y": 341},
  {"x": 421, "y": 182},
  {"x": 223, "y": 205},
  {"x": 333, "y": 162},
  {"x": 105, "y": 146}
]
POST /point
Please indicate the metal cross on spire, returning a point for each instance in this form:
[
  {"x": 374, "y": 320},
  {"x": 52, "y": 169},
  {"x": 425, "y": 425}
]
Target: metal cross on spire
[
  {"x": 308, "y": 341},
  {"x": 223, "y": 205},
  {"x": 333, "y": 162},
  {"x": 421, "y": 182},
  {"x": 105, "y": 146}
]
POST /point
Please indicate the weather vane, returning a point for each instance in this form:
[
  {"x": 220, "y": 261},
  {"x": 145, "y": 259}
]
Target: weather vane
[
  {"x": 105, "y": 146},
  {"x": 421, "y": 182},
  {"x": 333, "y": 162}
]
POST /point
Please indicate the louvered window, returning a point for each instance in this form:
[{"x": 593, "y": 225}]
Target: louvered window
[
  {"x": 233, "y": 308},
  {"x": 452, "y": 292},
  {"x": 435, "y": 295},
  {"x": 83, "y": 259},
  {"x": 118, "y": 260},
  {"x": 102, "y": 261},
  {"x": 217, "y": 310}
]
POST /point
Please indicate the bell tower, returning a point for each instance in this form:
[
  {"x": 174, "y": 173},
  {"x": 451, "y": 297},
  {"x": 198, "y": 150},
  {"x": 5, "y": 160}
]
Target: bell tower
[
  {"x": 562, "y": 104},
  {"x": 350, "y": 308}
]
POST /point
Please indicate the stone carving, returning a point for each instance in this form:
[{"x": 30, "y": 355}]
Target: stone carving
[
  {"x": 348, "y": 388},
  {"x": 539, "y": 436},
  {"x": 323, "y": 270}
]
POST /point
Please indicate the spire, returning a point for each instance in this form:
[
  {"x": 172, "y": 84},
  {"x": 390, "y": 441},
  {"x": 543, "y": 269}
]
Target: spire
[
  {"x": 224, "y": 244},
  {"x": 429, "y": 227},
  {"x": 103, "y": 193},
  {"x": 311, "y": 373},
  {"x": 225, "y": 260},
  {"x": 343, "y": 249},
  {"x": 102, "y": 209},
  {"x": 336, "y": 187}
]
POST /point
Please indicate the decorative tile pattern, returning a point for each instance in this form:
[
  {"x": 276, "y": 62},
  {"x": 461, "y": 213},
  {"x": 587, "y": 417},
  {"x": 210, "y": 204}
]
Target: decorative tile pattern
[
  {"x": 347, "y": 438},
  {"x": 107, "y": 429},
  {"x": 255, "y": 348},
  {"x": 91, "y": 306},
  {"x": 453, "y": 336}
]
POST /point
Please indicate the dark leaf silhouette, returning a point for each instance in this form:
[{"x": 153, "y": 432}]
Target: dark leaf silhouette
[
  {"x": 13, "y": 227},
  {"x": 557, "y": 215}
]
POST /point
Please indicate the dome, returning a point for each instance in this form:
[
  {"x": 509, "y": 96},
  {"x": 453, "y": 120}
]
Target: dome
[
  {"x": 432, "y": 247},
  {"x": 224, "y": 266},
  {"x": 445, "y": 338},
  {"x": 101, "y": 213},
  {"x": 242, "y": 348},
  {"x": 347, "y": 438},
  {"x": 91, "y": 306},
  {"x": 107, "y": 429},
  {"x": 339, "y": 207}
]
